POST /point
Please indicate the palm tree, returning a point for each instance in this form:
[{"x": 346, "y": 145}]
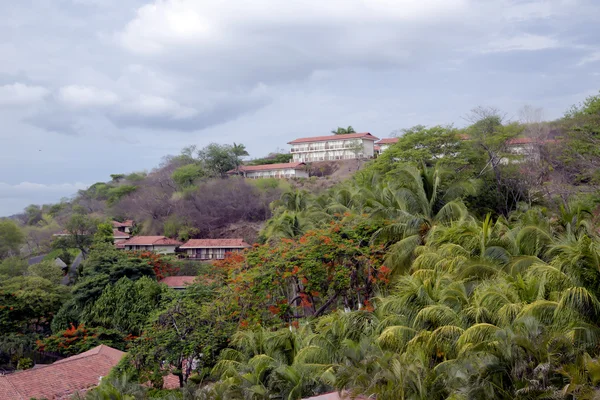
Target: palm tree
[
  {"x": 343, "y": 131},
  {"x": 238, "y": 151}
]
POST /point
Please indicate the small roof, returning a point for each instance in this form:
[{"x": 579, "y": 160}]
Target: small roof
[
  {"x": 151, "y": 241},
  {"x": 177, "y": 282},
  {"x": 125, "y": 224},
  {"x": 269, "y": 167},
  {"x": 63, "y": 378},
  {"x": 390, "y": 140},
  {"x": 215, "y": 243},
  {"x": 364, "y": 135},
  {"x": 118, "y": 234}
]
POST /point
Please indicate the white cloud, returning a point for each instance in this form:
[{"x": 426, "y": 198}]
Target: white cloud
[
  {"x": 526, "y": 42},
  {"x": 590, "y": 58},
  {"x": 155, "y": 106},
  {"x": 163, "y": 24},
  {"x": 86, "y": 96},
  {"x": 18, "y": 94}
]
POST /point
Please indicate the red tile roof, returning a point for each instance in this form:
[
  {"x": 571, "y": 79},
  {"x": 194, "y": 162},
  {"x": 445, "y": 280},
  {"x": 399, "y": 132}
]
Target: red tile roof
[
  {"x": 151, "y": 241},
  {"x": 125, "y": 224},
  {"x": 268, "y": 167},
  {"x": 364, "y": 135},
  {"x": 215, "y": 243},
  {"x": 390, "y": 140},
  {"x": 63, "y": 378},
  {"x": 119, "y": 234},
  {"x": 178, "y": 281}
]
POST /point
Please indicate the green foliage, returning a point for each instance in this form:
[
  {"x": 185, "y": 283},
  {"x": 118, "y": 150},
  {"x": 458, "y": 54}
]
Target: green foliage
[
  {"x": 343, "y": 131},
  {"x": 24, "y": 363},
  {"x": 47, "y": 270},
  {"x": 104, "y": 233},
  {"x": 274, "y": 158},
  {"x": 186, "y": 175},
  {"x": 117, "y": 177},
  {"x": 218, "y": 159},
  {"x": 125, "y": 305},
  {"x": 13, "y": 266},
  {"x": 442, "y": 145},
  {"x": 115, "y": 194},
  {"x": 27, "y": 303},
  {"x": 11, "y": 238},
  {"x": 104, "y": 266}
]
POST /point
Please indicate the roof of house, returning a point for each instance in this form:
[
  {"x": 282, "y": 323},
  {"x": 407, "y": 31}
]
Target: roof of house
[
  {"x": 215, "y": 243},
  {"x": 125, "y": 224},
  {"x": 364, "y": 135},
  {"x": 268, "y": 167},
  {"x": 119, "y": 234},
  {"x": 151, "y": 241},
  {"x": 178, "y": 281},
  {"x": 390, "y": 140},
  {"x": 63, "y": 378}
]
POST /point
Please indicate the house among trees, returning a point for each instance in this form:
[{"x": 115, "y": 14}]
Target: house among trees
[
  {"x": 125, "y": 226},
  {"x": 62, "y": 379},
  {"x": 212, "y": 249},
  {"x": 284, "y": 170},
  {"x": 333, "y": 147},
  {"x": 384, "y": 144},
  {"x": 158, "y": 244},
  {"x": 119, "y": 236}
]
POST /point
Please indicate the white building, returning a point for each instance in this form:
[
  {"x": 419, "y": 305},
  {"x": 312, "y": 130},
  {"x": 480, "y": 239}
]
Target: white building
[
  {"x": 212, "y": 249},
  {"x": 158, "y": 244},
  {"x": 284, "y": 170},
  {"x": 384, "y": 144},
  {"x": 334, "y": 147}
]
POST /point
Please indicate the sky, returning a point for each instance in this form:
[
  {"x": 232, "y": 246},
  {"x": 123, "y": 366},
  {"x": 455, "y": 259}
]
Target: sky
[{"x": 90, "y": 88}]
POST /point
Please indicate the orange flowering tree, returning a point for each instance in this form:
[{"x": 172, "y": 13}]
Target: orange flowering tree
[
  {"x": 162, "y": 265},
  {"x": 325, "y": 269},
  {"x": 77, "y": 339}
]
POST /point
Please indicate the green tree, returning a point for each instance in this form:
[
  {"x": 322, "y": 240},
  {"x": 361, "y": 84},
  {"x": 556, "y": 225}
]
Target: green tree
[
  {"x": 218, "y": 159},
  {"x": 81, "y": 229},
  {"x": 186, "y": 336},
  {"x": 186, "y": 175},
  {"x": 126, "y": 305},
  {"x": 11, "y": 238},
  {"x": 47, "y": 270},
  {"x": 343, "y": 131},
  {"x": 438, "y": 145}
]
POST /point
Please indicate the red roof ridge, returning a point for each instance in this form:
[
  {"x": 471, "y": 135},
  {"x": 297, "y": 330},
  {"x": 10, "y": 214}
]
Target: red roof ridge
[
  {"x": 363, "y": 135},
  {"x": 151, "y": 240},
  {"x": 387, "y": 140},
  {"x": 264, "y": 167}
]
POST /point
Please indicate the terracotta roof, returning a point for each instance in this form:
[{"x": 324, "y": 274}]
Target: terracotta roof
[
  {"x": 63, "y": 378},
  {"x": 215, "y": 243},
  {"x": 178, "y": 281},
  {"x": 119, "y": 234},
  {"x": 125, "y": 224},
  {"x": 150, "y": 241},
  {"x": 390, "y": 140},
  {"x": 364, "y": 135},
  {"x": 268, "y": 167}
]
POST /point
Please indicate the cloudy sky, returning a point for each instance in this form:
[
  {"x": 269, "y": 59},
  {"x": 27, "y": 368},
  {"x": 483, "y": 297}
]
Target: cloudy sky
[{"x": 94, "y": 87}]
